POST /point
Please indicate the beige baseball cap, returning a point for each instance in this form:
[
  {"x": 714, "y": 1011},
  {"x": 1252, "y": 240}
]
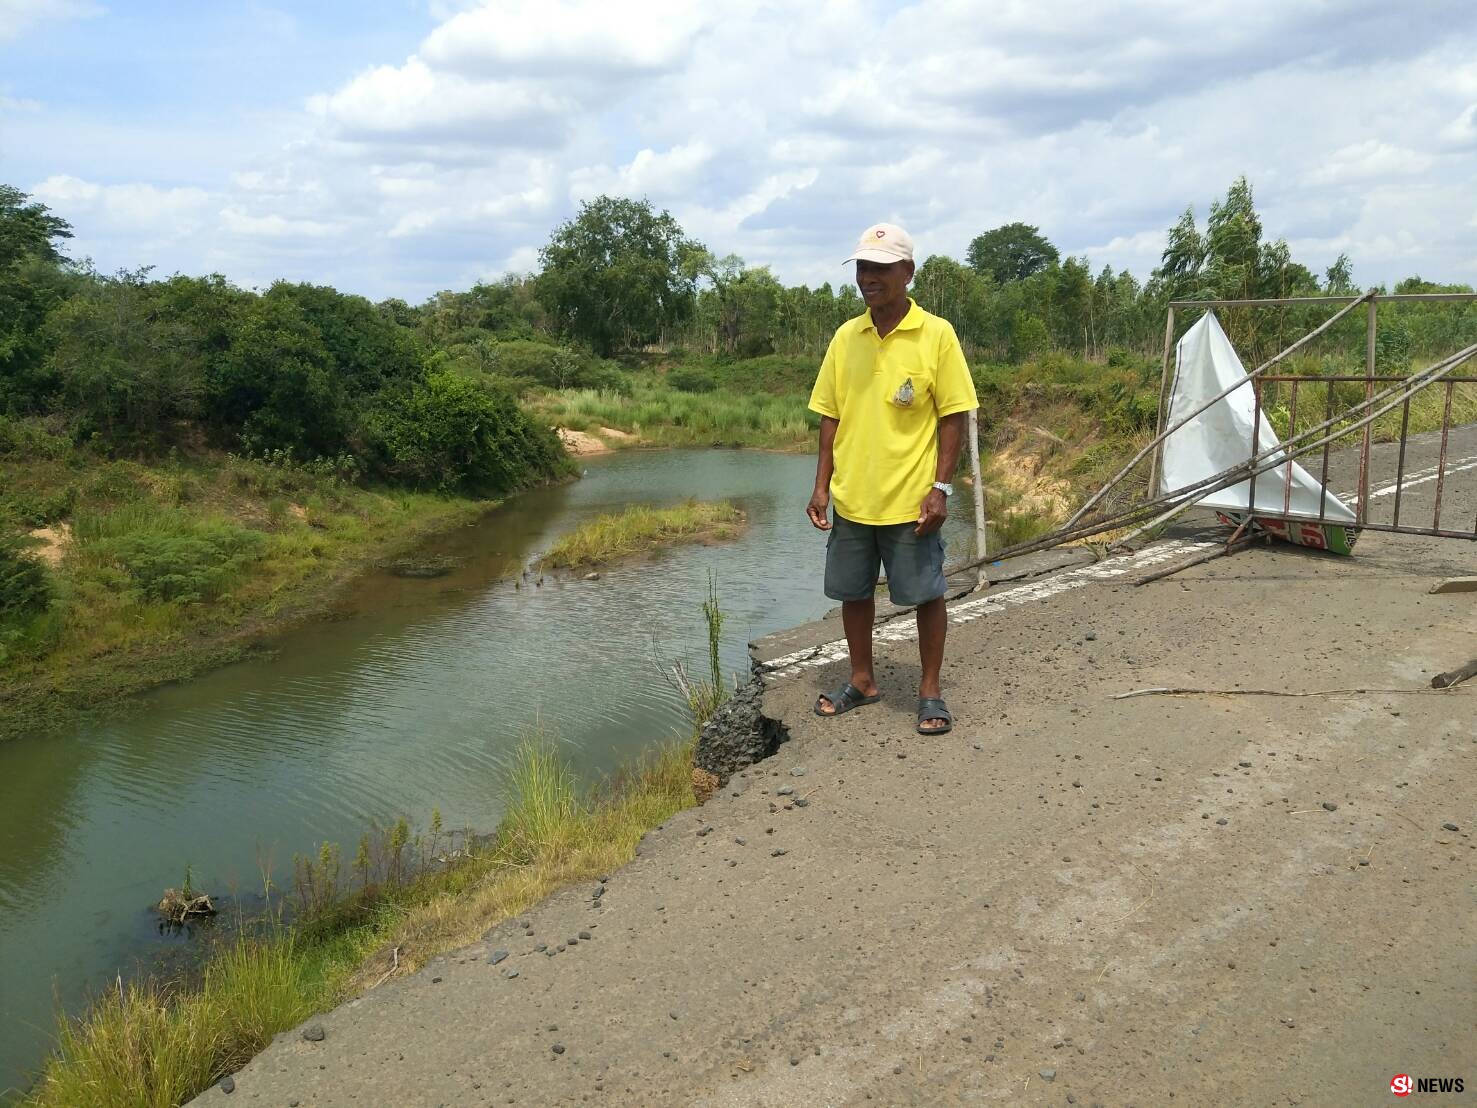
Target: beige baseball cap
[{"x": 885, "y": 243}]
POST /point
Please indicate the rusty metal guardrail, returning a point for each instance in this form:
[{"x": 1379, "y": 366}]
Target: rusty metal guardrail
[{"x": 1383, "y": 393}]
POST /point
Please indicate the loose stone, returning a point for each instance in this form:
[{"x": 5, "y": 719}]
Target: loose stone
[
  {"x": 1222, "y": 822},
  {"x": 498, "y": 955},
  {"x": 801, "y": 802},
  {"x": 777, "y": 852},
  {"x": 314, "y": 1033},
  {"x": 1450, "y": 827},
  {"x": 228, "y": 1084},
  {"x": 510, "y": 974},
  {"x": 1330, "y": 806},
  {"x": 785, "y": 790},
  {"x": 1047, "y": 1074},
  {"x": 797, "y": 771},
  {"x": 586, "y": 935},
  {"x": 557, "y": 1048}
]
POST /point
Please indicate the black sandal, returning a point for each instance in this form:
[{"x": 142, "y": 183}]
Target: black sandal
[
  {"x": 844, "y": 699},
  {"x": 933, "y": 707}
]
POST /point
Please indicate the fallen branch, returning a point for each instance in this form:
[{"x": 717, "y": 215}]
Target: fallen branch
[{"x": 1271, "y": 692}]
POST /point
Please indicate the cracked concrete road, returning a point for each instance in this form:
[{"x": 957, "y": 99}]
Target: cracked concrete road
[{"x": 1212, "y": 899}]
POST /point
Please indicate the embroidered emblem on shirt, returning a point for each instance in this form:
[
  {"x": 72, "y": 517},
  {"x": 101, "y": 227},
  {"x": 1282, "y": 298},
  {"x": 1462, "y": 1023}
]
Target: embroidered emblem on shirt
[{"x": 904, "y": 395}]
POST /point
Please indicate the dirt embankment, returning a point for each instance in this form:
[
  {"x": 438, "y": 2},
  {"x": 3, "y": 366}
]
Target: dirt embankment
[{"x": 583, "y": 443}]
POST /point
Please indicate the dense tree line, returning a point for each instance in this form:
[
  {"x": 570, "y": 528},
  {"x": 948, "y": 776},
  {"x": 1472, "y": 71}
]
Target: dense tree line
[
  {"x": 428, "y": 394},
  {"x": 298, "y": 371},
  {"x": 620, "y": 277}
]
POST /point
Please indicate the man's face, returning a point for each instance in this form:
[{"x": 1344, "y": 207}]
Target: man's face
[{"x": 880, "y": 284}]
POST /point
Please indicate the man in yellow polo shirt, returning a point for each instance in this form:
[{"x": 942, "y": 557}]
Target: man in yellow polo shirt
[{"x": 893, "y": 395}]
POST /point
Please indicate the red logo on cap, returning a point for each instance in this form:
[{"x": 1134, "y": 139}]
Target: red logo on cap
[{"x": 880, "y": 234}]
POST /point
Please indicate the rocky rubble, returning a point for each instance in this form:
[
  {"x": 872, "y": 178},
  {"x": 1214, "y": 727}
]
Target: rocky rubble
[{"x": 739, "y": 734}]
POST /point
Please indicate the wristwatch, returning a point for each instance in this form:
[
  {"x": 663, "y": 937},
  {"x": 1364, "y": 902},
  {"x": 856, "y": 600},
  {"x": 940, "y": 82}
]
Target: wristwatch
[{"x": 946, "y": 489}]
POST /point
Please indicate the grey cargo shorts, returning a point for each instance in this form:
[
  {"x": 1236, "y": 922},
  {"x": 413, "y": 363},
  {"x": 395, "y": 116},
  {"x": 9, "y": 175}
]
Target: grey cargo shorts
[{"x": 914, "y": 563}]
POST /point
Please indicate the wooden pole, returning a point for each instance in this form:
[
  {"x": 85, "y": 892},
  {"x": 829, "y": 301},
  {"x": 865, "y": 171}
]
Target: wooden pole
[
  {"x": 979, "y": 498},
  {"x": 1163, "y": 393}
]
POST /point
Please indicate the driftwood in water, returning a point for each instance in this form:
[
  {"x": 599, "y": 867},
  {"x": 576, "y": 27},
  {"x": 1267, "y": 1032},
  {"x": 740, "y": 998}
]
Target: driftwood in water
[{"x": 177, "y": 907}]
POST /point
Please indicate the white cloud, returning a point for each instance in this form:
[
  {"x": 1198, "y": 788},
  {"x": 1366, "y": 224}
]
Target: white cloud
[
  {"x": 273, "y": 226},
  {"x": 19, "y": 16},
  {"x": 776, "y": 131},
  {"x": 137, "y": 205},
  {"x": 647, "y": 174},
  {"x": 1462, "y": 131},
  {"x": 415, "y": 103},
  {"x": 565, "y": 38},
  {"x": 1370, "y": 160}
]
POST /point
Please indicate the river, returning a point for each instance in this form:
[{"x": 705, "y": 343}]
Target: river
[{"x": 411, "y": 696}]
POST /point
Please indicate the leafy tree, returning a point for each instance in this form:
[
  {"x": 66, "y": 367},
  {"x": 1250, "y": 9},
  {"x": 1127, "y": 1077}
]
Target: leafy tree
[
  {"x": 1011, "y": 252},
  {"x": 33, "y": 281},
  {"x": 1338, "y": 279},
  {"x": 127, "y": 365},
  {"x": 1028, "y": 337},
  {"x": 618, "y": 274},
  {"x": 275, "y": 388},
  {"x": 1183, "y": 257},
  {"x": 366, "y": 349},
  {"x": 957, "y": 293}
]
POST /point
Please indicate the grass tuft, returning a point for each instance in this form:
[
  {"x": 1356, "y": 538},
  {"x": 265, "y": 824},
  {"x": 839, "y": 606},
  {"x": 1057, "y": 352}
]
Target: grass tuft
[{"x": 640, "y": 529}]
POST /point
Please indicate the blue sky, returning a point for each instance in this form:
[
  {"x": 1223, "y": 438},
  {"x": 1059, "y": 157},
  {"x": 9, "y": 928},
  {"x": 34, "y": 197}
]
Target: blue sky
[{"x": 395, "y": 147}]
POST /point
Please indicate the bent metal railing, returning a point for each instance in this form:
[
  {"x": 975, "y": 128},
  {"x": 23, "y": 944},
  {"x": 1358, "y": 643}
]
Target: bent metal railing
[{"x": 1383, "y": 394}]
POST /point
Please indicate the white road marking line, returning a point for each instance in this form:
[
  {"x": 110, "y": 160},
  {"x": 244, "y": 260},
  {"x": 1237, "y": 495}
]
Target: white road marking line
[
  {"x": 1461, "y": 465},
  {"x": 905, "y": 630}
]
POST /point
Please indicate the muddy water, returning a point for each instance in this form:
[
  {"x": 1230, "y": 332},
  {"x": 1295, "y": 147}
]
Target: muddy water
[{"x": 413, "y": 696}]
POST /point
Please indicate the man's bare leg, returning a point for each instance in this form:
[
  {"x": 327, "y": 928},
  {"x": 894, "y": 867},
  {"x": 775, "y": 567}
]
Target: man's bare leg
[
  {"x": 857, "y": 617},
  {"x": 933, "y": 625}
]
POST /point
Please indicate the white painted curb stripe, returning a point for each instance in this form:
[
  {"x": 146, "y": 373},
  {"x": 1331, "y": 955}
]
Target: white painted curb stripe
[
  {"x": 906, "y": 630},
  {"x": 1461, "y": 465}
]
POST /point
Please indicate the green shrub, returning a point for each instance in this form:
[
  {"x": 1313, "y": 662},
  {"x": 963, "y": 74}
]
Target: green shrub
[
  {"x": 455, "y": 434},
  {"x": 32, "y": 439},
  {"x": 38, "y": 507},
  {"x": 25, "y": 584},
  {"x": 553, "y": 367},
  {"x": 689, "y": 379},
  {"x": 164, "y": 554}
]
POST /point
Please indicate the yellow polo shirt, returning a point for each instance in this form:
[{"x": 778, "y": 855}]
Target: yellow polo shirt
[{"x": 889, "y": 394}]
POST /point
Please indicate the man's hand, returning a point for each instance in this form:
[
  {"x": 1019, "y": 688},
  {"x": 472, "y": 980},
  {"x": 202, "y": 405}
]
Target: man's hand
[
  {"x": 820, "y": 500},
  {"x": 931, "y": 515}
]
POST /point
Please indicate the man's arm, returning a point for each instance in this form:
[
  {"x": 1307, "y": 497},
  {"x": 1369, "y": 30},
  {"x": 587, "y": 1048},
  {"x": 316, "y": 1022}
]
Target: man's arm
[
  {"x": 825, "y": 465},
  {"x": 935, "y": 507}
]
